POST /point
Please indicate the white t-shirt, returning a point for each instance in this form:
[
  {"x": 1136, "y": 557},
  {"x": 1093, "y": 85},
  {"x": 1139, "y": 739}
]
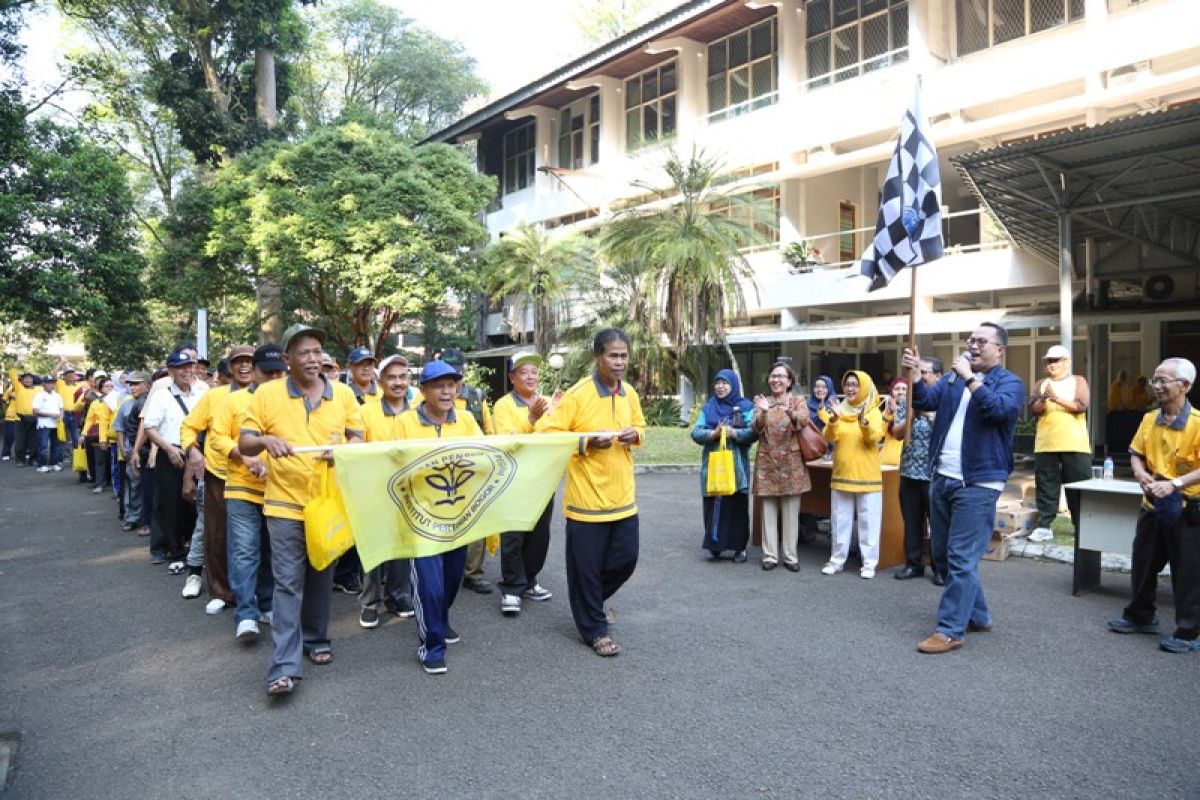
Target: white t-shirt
[
  {"x": 47, "y": 401},
  {"x": 950, "y": 459},
  {"x": 164, "y": 413}
]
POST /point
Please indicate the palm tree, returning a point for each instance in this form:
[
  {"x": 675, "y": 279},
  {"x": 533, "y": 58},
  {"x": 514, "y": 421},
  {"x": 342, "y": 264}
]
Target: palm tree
[
  {"x": 538, "y": 269},
  {"x": 691, "y": 251}
]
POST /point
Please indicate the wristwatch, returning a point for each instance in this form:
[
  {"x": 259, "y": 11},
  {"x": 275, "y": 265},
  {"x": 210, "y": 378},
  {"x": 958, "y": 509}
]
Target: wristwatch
[
  {"x": 972, "y": 379},
  {"x": 1177, "y": 483}
]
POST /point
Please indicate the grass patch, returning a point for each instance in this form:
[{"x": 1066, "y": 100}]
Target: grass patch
[
  {"x": 667, "y": 446},
  {"x": 1064, "y": 531}
]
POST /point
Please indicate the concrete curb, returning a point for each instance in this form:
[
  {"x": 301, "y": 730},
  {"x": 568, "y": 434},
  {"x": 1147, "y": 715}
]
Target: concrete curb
[
  {"x": 1023, "y": 548},
  {"x": 666, "y": 469}
]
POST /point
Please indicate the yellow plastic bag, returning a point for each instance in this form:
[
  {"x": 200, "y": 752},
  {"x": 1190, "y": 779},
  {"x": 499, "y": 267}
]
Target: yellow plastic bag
[
  {"x": 722, "y": 475},
  {"x": 326, "y": 529},
  {"x": 79, "y": 459}
]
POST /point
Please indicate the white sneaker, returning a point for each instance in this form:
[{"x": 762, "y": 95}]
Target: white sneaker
[
  {"x": 1041, "y": 535},
  {"x": 510, "y": 605},
  {"x": 831, "y": 568},
  {"x": 247, "y": 630},
  {"x": 867, "y": 573},
  {"x": 97, "y": 490},
  {"x": 191, "y": 587},
  {"x": 214, "y": 606},
  {"x": 539, "y": 593},
  {"x": 58, "y": 467},
  {"x": 43, "y": 469}
]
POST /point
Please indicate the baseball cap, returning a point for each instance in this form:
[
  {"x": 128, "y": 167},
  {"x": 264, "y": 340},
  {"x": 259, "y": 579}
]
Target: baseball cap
[
  {"x": 439, "y": 369},
  {"x": 294, "y": 331},
  {"x": 524, "y": 357},
  {"x": 1056, "y": 352},
  {"x": 47, "y": 379},
  {"x": 69, "y": 368},
  {"x": 241, "y": 351},
  {"x": 358, "y": 355},
  {"x": 392, "y": 359},
  {"x": 99, "y": 374},
  {"x": 137, "y": 377},
  {"x": 269, "y": 358},
  {"x": 175, "y": 360},
  {"x": 454, "y": 357}
]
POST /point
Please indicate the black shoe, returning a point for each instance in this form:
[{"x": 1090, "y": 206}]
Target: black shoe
[
  {"x": 451, "y": 636},
  {"x": 791, "y": 567},
  {"x": 369, "y": 618},
  {"x": 712, "y": 555},
  {"x": 434, "y": 666},
  {"x": 739, "y": 557},
  {"x": 938, "y": 580},
  {"x": 128, "y": 526},
  {"x": 910, "y": 572},
  {"x": 403, "y": 609},
  {"x": 479, "y": 585},
  {"x": 349, "y": 586},
  {"x": 769, "y": 565}
]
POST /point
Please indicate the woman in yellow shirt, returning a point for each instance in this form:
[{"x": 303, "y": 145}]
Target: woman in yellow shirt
[
  {"x": 1062, "y": 450},
  {"x": 97, "y": 432},
  {"x": 857, "y": 482}
]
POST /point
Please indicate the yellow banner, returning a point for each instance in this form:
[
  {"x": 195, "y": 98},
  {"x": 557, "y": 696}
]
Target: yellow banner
[{"x": 420, "y": 497}]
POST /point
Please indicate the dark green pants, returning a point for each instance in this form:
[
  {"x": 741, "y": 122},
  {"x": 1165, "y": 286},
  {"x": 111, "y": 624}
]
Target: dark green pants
[{"x": 1052, "y": 471}]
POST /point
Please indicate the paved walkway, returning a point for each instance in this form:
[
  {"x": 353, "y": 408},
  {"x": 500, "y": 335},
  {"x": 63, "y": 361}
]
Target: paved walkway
[{"x": 734, "y": 683}]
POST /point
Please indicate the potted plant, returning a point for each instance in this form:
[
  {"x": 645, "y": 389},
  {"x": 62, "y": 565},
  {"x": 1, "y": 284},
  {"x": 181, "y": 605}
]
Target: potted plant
[
  {"x": 1024, "y": 435},
  {"x": 801, "y": 255}
]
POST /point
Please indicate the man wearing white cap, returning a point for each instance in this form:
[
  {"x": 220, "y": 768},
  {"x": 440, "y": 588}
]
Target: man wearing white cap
[{"x": 1062, "y": 449}]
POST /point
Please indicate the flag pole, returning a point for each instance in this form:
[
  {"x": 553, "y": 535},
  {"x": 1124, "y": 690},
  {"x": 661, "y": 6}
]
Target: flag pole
[{"x": 912, "y": 345}]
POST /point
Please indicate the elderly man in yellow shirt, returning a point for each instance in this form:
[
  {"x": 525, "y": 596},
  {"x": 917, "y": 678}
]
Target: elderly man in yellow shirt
[{"x": 600, "y": 503}]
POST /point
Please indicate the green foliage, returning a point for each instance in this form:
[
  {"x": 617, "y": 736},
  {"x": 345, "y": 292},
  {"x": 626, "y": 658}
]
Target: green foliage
[
  {"x": 661, "y": 411},
  {"x": 479, "y": 376},
  {"x": 601, "y": 21}
]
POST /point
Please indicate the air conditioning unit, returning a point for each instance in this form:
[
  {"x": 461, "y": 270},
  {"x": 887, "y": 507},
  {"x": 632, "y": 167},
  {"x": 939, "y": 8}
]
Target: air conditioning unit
[{"x": 1158, "y": 287}]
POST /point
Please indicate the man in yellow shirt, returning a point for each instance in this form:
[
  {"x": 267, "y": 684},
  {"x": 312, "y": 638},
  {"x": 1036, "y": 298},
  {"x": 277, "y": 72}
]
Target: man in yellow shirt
[
  {"x": 523, "y": 553},
  {"x": 249, "y": 550},
  {"x": 305, "y": 410},
  {"x": 24, "y": 388},
  {"x": 435, "y": 579},
  {"x": 1165, "y": 456},
  {"x": 600, "y": 503},
  {"x": 381, "y": 417}
]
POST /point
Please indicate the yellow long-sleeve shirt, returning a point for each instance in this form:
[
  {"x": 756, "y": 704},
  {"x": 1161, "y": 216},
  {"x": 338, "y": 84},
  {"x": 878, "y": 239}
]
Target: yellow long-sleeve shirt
[
  {"x": 67, "y": 392},
  {"x": 856, "y": 461},
  {"x": 198, "y": 421},
  {"x": 100, "y": 414},
  {"x": 240, "y": 482},
  {"x": 22, "y": 395},
  {"x": 600, "y": 485}
]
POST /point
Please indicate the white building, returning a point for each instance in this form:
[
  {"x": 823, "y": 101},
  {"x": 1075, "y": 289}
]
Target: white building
[{"x": 802, "y": 98}]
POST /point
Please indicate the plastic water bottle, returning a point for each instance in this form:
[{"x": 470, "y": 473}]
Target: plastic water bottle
[{"x": 1108, "y": 468}]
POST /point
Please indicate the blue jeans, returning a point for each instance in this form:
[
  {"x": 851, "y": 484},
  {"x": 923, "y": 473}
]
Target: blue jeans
[
  {"x": 249, "y": 551},
  {"x": 47, "y": 446},
  {"x": 961, "y": 519}
]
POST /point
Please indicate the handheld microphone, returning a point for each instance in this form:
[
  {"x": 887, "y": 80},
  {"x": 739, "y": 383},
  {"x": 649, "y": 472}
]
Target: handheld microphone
[{"x": 954, "y": 375}]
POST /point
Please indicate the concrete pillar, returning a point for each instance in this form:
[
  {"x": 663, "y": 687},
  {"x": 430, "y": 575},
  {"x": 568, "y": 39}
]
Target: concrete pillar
[
  {"x": 691, "y": 96},
  {"x": 922, "y": 37},
  {"x": 1066, "y": 272},
  {"x": 790, "y": 30},
  {"x": 1095, "y": 23}
]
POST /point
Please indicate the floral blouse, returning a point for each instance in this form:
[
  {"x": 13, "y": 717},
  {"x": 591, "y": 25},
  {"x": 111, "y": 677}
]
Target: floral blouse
[{"x": 778, "y": 467}]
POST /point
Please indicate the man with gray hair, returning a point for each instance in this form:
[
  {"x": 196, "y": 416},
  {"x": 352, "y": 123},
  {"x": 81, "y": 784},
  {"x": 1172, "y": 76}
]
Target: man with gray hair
[{"x": 1165, "y": 456}]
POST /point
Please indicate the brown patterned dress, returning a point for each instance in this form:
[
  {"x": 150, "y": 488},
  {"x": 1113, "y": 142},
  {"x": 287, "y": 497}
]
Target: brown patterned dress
[{"x": 779, "y": 468}]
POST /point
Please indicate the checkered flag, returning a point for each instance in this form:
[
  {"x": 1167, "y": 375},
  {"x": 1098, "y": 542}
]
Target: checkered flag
[{"x": 909, "y": 229}]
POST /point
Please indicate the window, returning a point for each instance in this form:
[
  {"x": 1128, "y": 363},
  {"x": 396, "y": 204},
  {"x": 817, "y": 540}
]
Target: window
[
  {"x": 579, "y": 133},
  {"x": 847, "y": 244},
  {"x": 759, "y": 208},
  {"x": 847, "y": 38},
  {"x": 985, "y": 23},
  {"x": 742, "y": 71},
  {"x": 650, "y": 106},
  {"x": 519, "y": 158}
]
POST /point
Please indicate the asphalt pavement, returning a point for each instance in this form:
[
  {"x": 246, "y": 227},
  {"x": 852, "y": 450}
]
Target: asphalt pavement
[{"x": 733, "y": 683}]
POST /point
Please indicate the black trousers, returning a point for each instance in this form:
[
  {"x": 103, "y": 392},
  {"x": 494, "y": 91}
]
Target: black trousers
[
  {"x": 523, "y": 554},
  {"x": 25, "y": 447},
  {"x": 914, "y": 508},
  {"x": 176, "y": 516},
  {"x": 601, "y": 556},
  {"x": 1153, "y": 548},
  {"x": 1051, "y": 471}
]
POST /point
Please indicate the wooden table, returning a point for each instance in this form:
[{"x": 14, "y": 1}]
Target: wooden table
[
  {"x": 817, "y": 501},
  {"x": 1108, "y": 512}
]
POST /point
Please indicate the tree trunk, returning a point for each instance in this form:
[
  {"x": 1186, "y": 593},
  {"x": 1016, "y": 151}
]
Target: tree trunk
[
  {"x": 733, "y": 364},
  {"x": 264, "y": 87}
]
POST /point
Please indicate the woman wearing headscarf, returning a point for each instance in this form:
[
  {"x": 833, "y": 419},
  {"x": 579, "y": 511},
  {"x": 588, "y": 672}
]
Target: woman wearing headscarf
[
  {"x": 822, "y": 396},
  {"x": 726, "y": 518},
  {"x": 97, "y": 433},
  {"x": 780, "y": 476},
  {"x": 857, "y": 481}
]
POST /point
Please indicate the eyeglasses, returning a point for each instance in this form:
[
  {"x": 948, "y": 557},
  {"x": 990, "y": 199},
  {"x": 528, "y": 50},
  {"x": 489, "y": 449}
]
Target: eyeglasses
[
  {"x": 1055, "y": 360},
  {"x": 978, "y": 342},
  {"x": 926, "y": 372},
  {"x": 1164, "y": 381}
]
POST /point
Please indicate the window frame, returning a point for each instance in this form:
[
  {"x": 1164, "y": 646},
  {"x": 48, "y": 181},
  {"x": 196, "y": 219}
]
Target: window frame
[
  {"x": 523, "y": 163},
  {"x": 1073, "y": 11},
  {"x": 824, "y": 32},
  {"x": 638, "y": 140},
  {"x": 586, "y": 137},
  {"x": 725, "y": 74}
]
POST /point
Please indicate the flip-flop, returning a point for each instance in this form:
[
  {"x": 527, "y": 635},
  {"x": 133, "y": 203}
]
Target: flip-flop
[
  {"x": 320, "y": 657},
  {"x": 279, "y": 686}
]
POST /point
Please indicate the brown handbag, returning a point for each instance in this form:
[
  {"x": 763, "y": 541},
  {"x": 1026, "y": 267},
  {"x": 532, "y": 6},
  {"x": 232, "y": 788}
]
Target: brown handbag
[{"x": 812, "y": 443}]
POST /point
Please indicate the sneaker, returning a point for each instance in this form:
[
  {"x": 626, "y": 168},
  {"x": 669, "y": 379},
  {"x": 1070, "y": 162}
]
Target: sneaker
[
  {"x": 157, "y": 559},
  {"x": 831, "y": 568},
  {"x": 4, "y": 458},
  {"x": 404, "y": 610},
  {"x": 215, "y": 606},
  {"x": 866, "y": 573},
  {"x": 57, "y": 468},
  {"x": 349, "y": 586},
  {"x": 98, "y": 490},
  {"x": 368, "y": 618},
  {"x": 43, "y": 469},
  {"x": 510, "y": 605},
  {"x": 1122, "y": 625},
  {"x": 266, "y": 617},
  {"x": 451, "y": 636},
  {"x": 247, "y": 630},
  {"x": 175, "y": 568},
  {"x": 479, "y": 585},
  {"x": 739, "y": 557},
  {"x": 1041, "y": 535},
  {"x": 434, "y": 666},
  {"x": 1173, "y": 644},
  {"x": 191, "y": 587},
  {"x": 539, "y": 593},
  {"x": 128, "y": 526}
]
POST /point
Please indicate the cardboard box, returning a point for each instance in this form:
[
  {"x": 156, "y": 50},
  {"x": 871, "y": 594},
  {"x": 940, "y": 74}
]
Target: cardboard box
[
  {"x": 1014, "y": 519},
  {"x": 997, "y": 549}
]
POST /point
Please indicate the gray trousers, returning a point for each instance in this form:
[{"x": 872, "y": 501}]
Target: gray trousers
[
  {"x": 132, "y": 486},
  {"x": 476, "y": 550},
  {"x": 392, "y": 578},
  {"x": 300, "y": 604},
  {"x": 195, "y": 556}
]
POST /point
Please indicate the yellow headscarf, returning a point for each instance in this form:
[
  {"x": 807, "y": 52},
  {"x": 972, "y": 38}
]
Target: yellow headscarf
[{"x": 868, "y": 395}]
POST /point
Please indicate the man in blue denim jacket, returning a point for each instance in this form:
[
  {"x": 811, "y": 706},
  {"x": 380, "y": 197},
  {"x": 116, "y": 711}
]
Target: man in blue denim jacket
[{"x": 977, "y": 404}]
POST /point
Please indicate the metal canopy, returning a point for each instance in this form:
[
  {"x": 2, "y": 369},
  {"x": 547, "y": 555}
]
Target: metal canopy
[{"x": 1133, "y": 180}]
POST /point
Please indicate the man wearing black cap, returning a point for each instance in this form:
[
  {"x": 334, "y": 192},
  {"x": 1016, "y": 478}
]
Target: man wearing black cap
[{"x": 24, "y": 390}]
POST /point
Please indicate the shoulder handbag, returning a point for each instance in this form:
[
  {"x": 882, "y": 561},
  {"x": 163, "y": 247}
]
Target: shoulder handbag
[
  {"x": 722, "y": 475},
  {"x": 812, "y": 443}
]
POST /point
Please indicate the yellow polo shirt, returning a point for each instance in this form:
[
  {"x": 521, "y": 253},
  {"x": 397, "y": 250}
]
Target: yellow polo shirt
[
  {"x": 1170, "y": 451},
  {"x": 280, "y": 409},
  {"x": 381, "y": 423},
  {"x": 10, "y": 410},
  {"x": 67, "y": 392},
  {"x": 199, "y": 420},
  {"x": 101, "y": 415},
  {"x": 600, "y": 486},
  {"x": 240, "y": 482},
  {"x": 511, "y": 415},
  {"x": 23, "y": 397},
  {"x": 414, "y": 424}
]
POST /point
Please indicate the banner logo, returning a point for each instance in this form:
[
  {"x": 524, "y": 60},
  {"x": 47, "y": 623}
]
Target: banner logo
[{"x": 442, "y": 494}]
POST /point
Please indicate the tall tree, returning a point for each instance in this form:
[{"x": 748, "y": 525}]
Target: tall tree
[
  {"x": 542, "y": 271},
  {"x": 601, "y": 21},
  {"x": 691, "y": 250}
]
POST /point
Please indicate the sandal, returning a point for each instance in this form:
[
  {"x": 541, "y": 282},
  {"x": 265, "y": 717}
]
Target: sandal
[
  {"x": 320, "y": 657},
  {"x": 605, "y": 646},
  {"x": 279, "y": 686}
]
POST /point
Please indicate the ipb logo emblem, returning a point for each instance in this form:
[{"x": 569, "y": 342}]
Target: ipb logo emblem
[{"x": 443, "y": 494}]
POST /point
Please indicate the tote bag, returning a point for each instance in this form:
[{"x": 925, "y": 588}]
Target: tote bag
[
  {"x": 722, "y": 475},
  {"x": 326, "y": 529}
]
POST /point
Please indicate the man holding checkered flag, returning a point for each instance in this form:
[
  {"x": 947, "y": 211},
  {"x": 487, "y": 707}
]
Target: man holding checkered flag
[{"x": 908, "y": 231}]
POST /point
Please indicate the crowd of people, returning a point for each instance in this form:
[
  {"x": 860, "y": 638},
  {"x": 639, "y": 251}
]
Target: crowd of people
[{"x": 215, "y": 469}]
